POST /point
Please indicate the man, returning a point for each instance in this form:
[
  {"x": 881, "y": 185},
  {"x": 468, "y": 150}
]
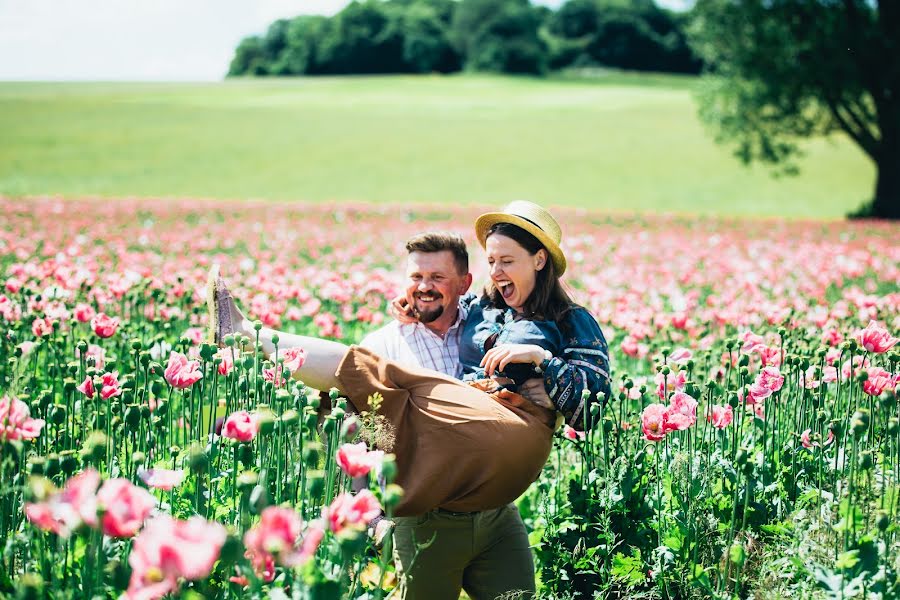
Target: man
[{"x": 441, "y": 552}]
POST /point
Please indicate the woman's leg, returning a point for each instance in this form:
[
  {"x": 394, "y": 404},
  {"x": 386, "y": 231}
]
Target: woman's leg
[{"x": 322, "y": 356}]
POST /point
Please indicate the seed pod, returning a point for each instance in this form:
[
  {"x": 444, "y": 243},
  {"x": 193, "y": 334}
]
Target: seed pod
[
  {"x": 58, "y": 414},
  {"x": 866, "y": 461},
  {"x": 311, "y": 454},
  {"x": 392, "y": 495},
  {"x": 744, "y": 360},
  {"x": 67, "y": 462},
  {"x": 138, "y": 458},
  {"x": 389, "y": 468},
  {"x": 259, "y": 499},
  {"x": 882, "y": 520},
  {"x": 316, "y": 482},
  {"x": 245, "y": 454},
  {"x": 133, "y": 416},
  {"x": 247, "y": 480}
]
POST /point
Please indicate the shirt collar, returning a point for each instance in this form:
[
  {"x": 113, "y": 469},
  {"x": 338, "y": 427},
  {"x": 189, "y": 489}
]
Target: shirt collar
[{"x": 461, "y": 315}]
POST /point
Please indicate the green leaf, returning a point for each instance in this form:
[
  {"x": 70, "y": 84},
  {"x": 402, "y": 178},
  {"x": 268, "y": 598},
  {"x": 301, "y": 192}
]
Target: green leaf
[
  {"x": 628, "y": 569},
  {"x": 847, "y": 560}
]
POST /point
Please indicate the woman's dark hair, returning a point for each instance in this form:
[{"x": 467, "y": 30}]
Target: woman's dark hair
[{"x": 548, "y": 301}]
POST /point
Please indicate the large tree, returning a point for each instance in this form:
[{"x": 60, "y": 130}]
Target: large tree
[{"x": 784, "y": 70}]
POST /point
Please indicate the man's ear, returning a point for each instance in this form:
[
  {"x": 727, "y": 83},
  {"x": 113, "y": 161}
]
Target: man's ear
[{"x": 467, "y": 283}]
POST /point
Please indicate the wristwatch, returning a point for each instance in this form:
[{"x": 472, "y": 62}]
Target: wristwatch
[{"x": 548, "y": 356}]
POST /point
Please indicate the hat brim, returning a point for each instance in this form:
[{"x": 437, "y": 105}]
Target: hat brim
[{"x": 484, "y": 223}]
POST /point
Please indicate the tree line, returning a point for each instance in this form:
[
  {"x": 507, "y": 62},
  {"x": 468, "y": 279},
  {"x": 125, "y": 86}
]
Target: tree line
[{"x": 507, "y": 36}]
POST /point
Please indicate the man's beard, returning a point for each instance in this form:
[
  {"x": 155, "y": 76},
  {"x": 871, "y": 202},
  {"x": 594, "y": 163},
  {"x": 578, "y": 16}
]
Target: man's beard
[{"x": 428, "y": 315}]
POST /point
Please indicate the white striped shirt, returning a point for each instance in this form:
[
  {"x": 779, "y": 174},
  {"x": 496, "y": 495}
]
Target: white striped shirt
[{"x": 415, "y": 344}]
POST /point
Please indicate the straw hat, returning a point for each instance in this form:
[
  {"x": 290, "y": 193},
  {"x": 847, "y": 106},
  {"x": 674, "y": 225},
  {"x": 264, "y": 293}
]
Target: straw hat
[{"x": 533, "y": 219}]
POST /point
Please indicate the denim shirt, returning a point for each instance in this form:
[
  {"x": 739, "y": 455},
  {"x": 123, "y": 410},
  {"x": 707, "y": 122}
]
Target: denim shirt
[{"x": 580, "y": 357}]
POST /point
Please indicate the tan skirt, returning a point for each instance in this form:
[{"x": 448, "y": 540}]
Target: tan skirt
[{"x": 457, "y": 447}]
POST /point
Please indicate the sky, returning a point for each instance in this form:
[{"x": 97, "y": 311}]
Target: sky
[{"x": 140, "y": 40}]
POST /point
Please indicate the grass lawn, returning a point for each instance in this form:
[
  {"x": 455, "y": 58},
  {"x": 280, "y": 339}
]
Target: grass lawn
[{"x": 618, "y": 143}]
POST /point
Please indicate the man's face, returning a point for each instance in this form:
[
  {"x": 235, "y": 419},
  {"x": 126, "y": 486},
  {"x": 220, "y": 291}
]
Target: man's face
[{"x": 434, "y": 285}]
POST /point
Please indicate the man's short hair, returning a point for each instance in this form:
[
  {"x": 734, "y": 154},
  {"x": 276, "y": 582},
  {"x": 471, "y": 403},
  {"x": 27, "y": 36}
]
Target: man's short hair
[{"x": 438, "y": 241}]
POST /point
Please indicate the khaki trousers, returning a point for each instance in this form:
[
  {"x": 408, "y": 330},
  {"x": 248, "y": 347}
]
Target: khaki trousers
[{"x": 485, "y": 553}]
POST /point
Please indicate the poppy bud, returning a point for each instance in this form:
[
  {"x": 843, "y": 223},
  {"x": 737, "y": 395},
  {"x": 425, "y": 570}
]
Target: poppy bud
[
  {"x": 133, "y": 416},
  {"x": 52, "y": 466},
  {"x": 58, "y": 414},
  {"x": 392, "y": 495},
  {"x": 67, "y": 462},
  {"x": 860, "y": 422},
  {"x": 892, "y": 426},
  {"x": 247, "y": 480},
  {"x": 744, "y": 360},
  {"x": 266, "y": 422},
  {"x": 389, "y": 468},
  {"x": 29, "y": 586},
  {"x": 232, "y": 550},
  {"x": 882, "y": 520},
  {"x": 290, "y": 418},
  {"x": 311, "y": 454},
  {"x": 36, "y": 465},
  {"x": 138, "y": 458},
  {"x": 245, "y": 454},
  {"x": 198, "y": 460},
  {"x": 316, "y": 481},
  {"x": 329, "y": 424},
  {"x": 866, "y": 461},
  {"x": 259, "y": 499},
  {"x": 275, "y": 339}
]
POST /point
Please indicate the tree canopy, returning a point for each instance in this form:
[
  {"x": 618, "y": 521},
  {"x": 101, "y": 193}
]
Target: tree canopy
[
  {"x": 512, "y": 36},
  {"x": 779, "y": 71}
]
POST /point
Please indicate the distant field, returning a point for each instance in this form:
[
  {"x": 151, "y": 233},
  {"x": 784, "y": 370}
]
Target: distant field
[{"x": 620, "y": 143}]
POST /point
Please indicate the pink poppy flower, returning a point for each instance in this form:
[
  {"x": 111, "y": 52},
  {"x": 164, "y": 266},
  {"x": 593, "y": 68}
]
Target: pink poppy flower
[
  {"x": 679, "y": 356},
  {"x": 352, "y": 512},
  {"x": 16, "y": 422},
  {"x": 356, "y": 460},
  {"x": 809, "y": 445},
  {"x": 182, "y": 373},
  {"x": 161, "y": 479},
  {"x": 104, "y": 326},
  {"x": 293, "y": 358},
  {"x": 227, "y": 365},
  {"x": 84, "y": 312},
  {"x": 125, "y": 506},
  {"x": 572, "y": 434},
  {"x": 653, "y": 422},
  {"x": 87, "y": 387},
  {"x": 877, "y": 382},
  {"x": 168, "y": 550},
  {"x": 278, "y": 535},
  {"x": 767, "y": 382},
  {"x": 875, "y": 338},
  {"x": 110, "y": 385},
  {"x": 41, "y": 327},
  {"x": 667, "y": 384},
  {"x": 195, "y": 334},
  {"x": 241, "y": 426},
  {"x": 681, "y": 413},
  {"x": 720, "y": 416},
  {"x": 68, "y": 509}
]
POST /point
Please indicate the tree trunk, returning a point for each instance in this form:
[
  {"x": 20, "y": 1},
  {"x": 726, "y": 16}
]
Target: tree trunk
[{"x": 886, "y": 204}]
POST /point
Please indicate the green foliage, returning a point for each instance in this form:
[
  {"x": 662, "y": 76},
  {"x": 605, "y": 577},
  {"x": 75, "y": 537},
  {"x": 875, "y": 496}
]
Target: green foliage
[
  {"x": 784, "y": 70},
  {"x": 510, "y": 36}
]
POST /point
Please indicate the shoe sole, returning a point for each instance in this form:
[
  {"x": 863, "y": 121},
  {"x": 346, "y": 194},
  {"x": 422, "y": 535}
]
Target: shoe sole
[{"x": 212, "y": 305}]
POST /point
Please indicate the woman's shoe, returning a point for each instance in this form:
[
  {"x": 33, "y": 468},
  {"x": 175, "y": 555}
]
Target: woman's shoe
[{"x": 221, "y": 307}]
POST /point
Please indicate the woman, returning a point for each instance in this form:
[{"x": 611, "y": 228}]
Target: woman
[{"x": 471, "y": 447}]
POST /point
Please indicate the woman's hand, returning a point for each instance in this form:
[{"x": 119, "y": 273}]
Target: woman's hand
[
  {"x": 501, "y": 355},
  {"x": 534, "y": 391},
  {"x": 401, "y": 310}
]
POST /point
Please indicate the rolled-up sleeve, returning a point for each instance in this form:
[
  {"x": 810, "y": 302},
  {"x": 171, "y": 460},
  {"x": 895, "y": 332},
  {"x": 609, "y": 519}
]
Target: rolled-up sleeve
[{"x": 582, "y": 365}]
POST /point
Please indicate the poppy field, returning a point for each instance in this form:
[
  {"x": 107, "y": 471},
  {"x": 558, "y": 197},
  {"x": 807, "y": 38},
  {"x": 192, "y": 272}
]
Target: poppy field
[{"x": 750, "y": 448}]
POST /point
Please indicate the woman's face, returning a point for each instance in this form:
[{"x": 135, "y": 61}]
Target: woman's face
[{"x": 513, "y": 269}]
